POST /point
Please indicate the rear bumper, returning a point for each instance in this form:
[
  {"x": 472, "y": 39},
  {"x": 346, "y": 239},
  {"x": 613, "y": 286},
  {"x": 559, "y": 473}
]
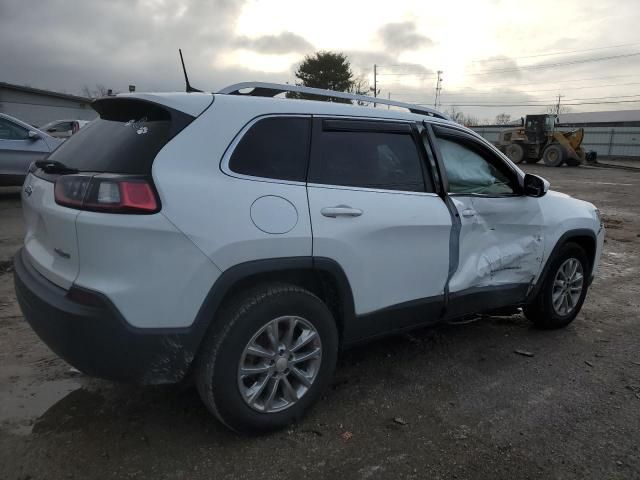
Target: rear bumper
[{"x": 96, "y": 339}]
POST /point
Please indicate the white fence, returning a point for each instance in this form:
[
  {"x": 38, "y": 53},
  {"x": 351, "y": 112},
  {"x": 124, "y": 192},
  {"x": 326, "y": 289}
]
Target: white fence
[{"x": 607, "y": 141}]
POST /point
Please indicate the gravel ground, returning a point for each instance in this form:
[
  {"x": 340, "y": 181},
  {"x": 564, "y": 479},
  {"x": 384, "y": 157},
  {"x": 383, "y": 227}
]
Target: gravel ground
[{"x": 454, "y": 402}]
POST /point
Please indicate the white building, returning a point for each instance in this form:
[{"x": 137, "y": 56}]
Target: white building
[
  {"x": 608, "y": 118},
  {"x": 38, "y": 107}
]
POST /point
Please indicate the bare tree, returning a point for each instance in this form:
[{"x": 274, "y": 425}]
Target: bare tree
[
  {"x": 455, "y": 114},
  {"x": 503, "y": 118},
  {"x": 99, "y": 91},
  {"x": 360, "y": 86},
  {"x": 458, "y": 116},
  {"x": 553, "y": 109}
]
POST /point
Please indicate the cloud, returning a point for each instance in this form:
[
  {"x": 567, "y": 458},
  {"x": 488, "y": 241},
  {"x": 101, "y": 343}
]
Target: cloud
[
  {"x": 497, "y": 67},
  {"x": 363, "y": 60},
  {"x": 130, "y": 42},
  {"x": 285, "y": 42},
  {"x": 402, "y": 36}
]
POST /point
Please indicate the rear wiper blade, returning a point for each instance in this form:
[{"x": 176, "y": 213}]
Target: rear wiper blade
[{"x": 53, "y": 166}]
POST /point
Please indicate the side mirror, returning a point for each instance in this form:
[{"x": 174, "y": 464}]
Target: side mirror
[
  {"x": 33, "y": 135},
  {"x": 535, "y": 186}
]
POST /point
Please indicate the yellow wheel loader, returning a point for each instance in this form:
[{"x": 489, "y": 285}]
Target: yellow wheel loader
[{"x": 538, "y": 139}]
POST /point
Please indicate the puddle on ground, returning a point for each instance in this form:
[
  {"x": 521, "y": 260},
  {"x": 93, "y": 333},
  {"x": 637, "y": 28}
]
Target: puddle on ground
[
  {"x": 615, "y": 264},
  {"x": 22, "y": 404}
]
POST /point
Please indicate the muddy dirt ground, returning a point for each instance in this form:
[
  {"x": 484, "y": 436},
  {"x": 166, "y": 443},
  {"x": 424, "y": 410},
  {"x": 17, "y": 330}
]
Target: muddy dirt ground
[{"x": 451, "y": 402}]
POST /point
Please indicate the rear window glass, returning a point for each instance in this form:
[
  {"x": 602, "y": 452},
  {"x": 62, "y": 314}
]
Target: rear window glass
[
  {"x": 125, "y": 139},
  {"x": 276, "y": 148},
  {"x": 364, "y": 159}
]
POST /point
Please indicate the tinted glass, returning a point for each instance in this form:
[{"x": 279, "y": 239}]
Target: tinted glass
[
  {"x": 11, "y": 131},
  {"x": 58, "y": 127},
  {"x": 125, "y": 139},
  {"x": 468, "y": 171},
  {"x": 274, "y": 148},
  {"x": 388, "y": 161}
]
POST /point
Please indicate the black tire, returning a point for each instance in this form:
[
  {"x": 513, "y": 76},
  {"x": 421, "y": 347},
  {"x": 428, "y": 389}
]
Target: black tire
[
  {"x": 241, "y": 318},
  {"x": 531, "y": 160},
  {"x": 515, "y": 152},
  {"x": 554, "y": 155},
  {"x": 541, "y": 310}
]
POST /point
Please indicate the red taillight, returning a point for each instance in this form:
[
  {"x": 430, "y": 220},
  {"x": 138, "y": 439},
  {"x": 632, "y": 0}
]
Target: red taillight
[
  {"x": 114, "y": 194},
  {"x": 138, "y": 195}
]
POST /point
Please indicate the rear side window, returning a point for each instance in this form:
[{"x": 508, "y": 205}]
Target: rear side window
[
  {"x": 367, "y": 159},
  {"x": 125, "y": 139},
  {"x": 276, "y": 147}
]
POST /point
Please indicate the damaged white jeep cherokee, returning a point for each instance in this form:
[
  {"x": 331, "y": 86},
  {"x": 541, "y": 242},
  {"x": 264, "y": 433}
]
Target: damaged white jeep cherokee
[{"x": 243, "y": 240}]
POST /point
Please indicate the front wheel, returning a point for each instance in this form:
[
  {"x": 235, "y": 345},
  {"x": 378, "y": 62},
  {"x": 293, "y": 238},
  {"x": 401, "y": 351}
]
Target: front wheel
[
  {"x": 564, "y": 289},
  {"x": 554, "y": 155},
  {"x": 269, "y": 357}
]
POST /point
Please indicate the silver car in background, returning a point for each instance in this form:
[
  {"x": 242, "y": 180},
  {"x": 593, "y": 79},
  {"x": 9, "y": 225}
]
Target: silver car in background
[
  {"x": 21, "y": 144},
  {"x": 63, "y": 128}
]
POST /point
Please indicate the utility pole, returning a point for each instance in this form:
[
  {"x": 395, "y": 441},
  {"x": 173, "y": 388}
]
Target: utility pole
[
  {"x": 375, "y": 83},
  {"x": 388, "y": 98},
  {"x": 438, "y": 89},
  {"x": 558, "y": 105}
]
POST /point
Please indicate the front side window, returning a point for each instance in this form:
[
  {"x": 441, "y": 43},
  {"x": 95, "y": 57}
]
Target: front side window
[
  {"x": 276, "y": 147},
  {"x": 367, "y": 159},
  {"x": 11, "y": 131},
  {"x": 469, "y": 170}
]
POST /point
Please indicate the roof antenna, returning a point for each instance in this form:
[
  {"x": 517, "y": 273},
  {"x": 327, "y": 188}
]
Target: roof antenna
[{"x": 189, "y": 88}]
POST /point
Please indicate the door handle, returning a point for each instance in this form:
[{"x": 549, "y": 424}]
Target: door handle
[
  {"x": 341, "y": 211},
  {"x": 468, "y": 212}
]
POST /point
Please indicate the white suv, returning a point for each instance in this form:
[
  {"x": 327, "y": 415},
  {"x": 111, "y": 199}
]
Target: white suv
[{"x": 243, "y": 240}]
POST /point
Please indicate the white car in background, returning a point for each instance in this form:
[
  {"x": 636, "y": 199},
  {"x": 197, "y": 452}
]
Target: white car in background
[
  {"x": 63, "y": 128},
  {"x": 20, "y": 145}
]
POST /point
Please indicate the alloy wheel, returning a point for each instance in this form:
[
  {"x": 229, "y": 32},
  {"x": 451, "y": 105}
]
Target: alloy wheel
[
  {"x": 567, "y": 286},
  {"x": 279, "y": 364}
]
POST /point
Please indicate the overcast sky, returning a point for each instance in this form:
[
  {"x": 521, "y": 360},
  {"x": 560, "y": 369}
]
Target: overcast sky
[{"x": 491, "y": 51}]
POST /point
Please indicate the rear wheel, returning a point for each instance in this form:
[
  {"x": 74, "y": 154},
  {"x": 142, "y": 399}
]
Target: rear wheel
[
  {"x": 269, "y": 357},
  {"x": 564, "y": 289},
  {"x": 515, "y": 152},
  {"x": 554, "y": 155}
]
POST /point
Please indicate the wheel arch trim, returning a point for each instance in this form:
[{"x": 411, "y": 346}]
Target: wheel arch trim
[
  {"x": 256, "y": 268},
  {"x": 566, "y": 237}
]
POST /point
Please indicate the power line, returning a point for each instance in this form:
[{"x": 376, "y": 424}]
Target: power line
[
  {"x": 528, "y": 92},
  {"x": 523, "y": 57},
  {"x": 564, "y": 88},
  {"x": 559, "y": 64},
  {"x": 530, "y": 105},
  {"x": 531, "y": 67},
  {"x": 562, "y": 53},
  {"x": 502, "y": 85},
  {"x": 602, "y": 98}
]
